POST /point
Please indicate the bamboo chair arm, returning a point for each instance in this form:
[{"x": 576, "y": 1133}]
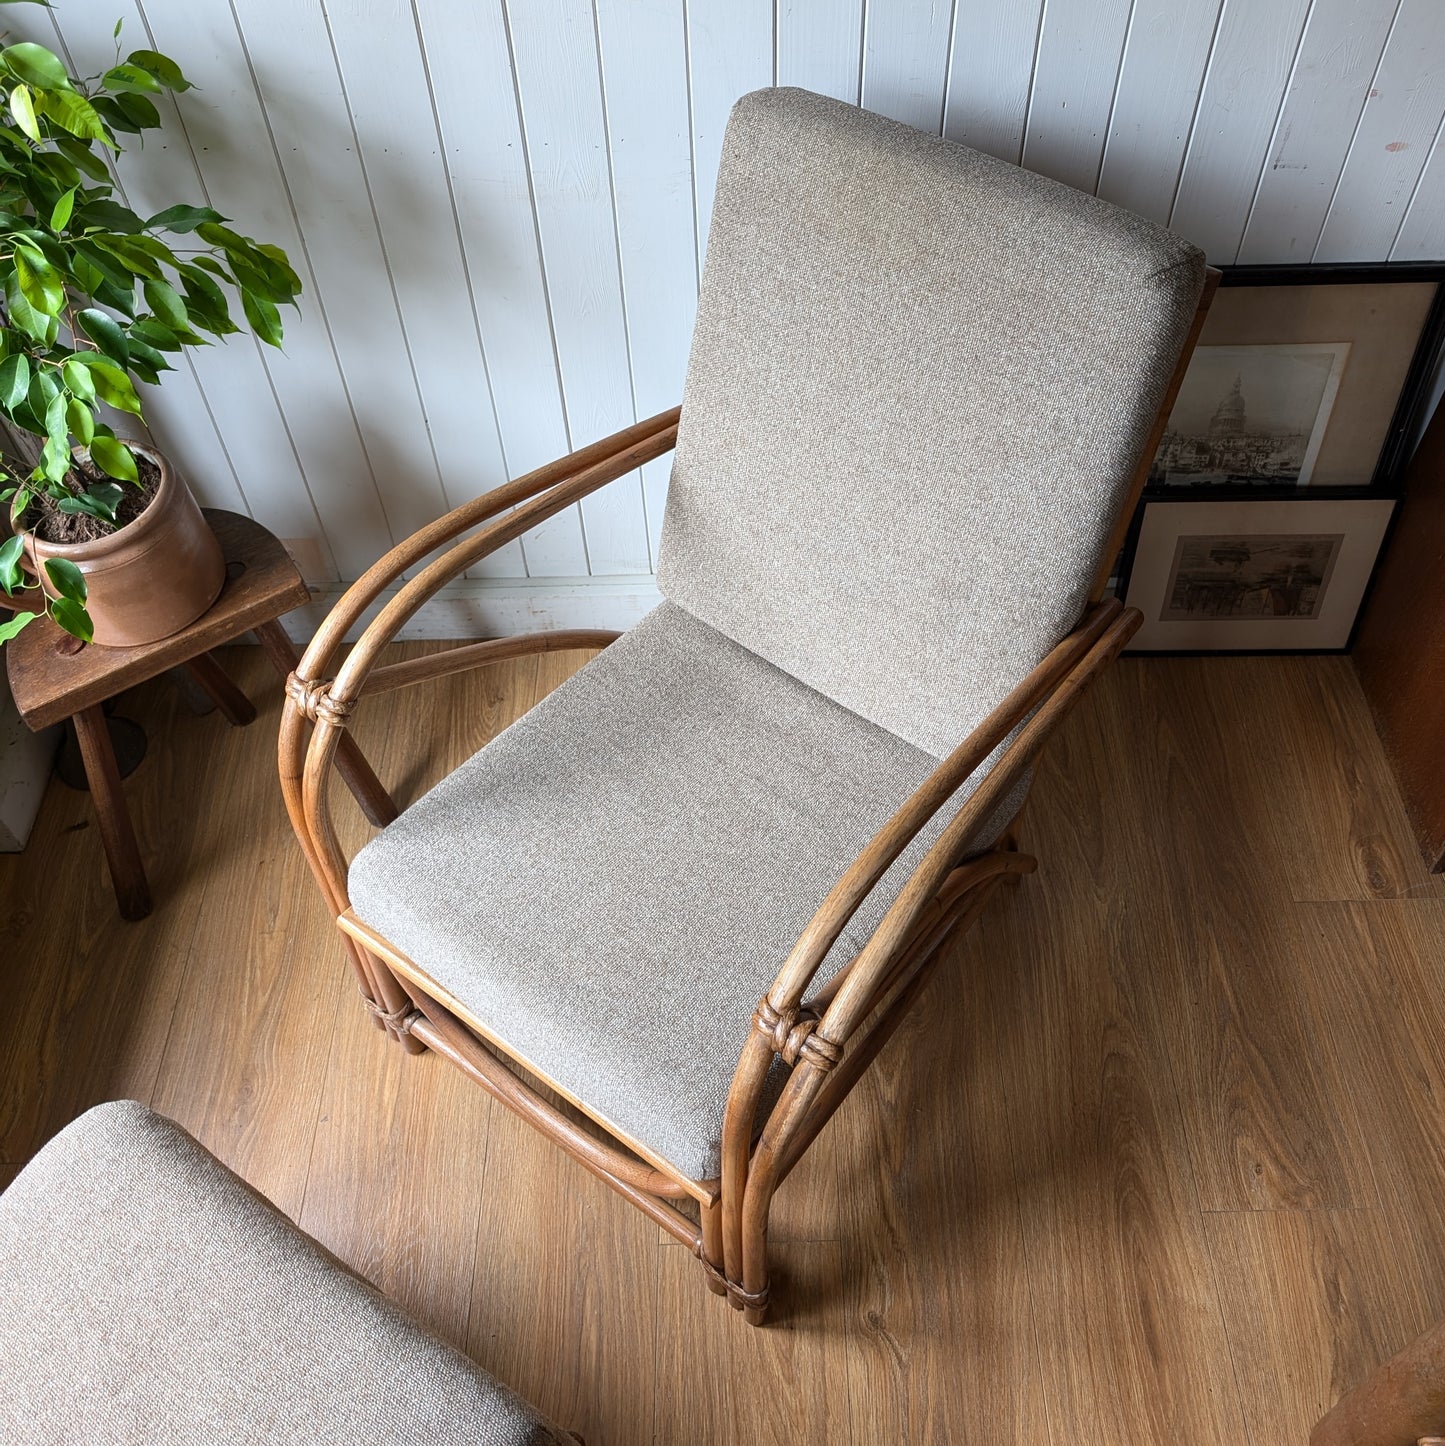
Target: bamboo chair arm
[
  {"x": 316, "y": 661},
  {"x": 869, "y": 972},
  {"x": 854, "y": 886}
]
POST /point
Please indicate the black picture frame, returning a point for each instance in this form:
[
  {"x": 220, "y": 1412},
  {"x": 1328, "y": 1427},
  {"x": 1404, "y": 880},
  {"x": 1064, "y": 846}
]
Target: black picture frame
[
  {"x": 1301, "y": 498},
  {"x": 1408, "y": 419}
]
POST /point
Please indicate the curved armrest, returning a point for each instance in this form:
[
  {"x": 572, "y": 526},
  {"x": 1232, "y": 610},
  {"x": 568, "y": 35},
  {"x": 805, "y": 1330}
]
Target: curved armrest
[
  {"x": 856, "y": 995},
  {"x": 648, "y": 439},
  {"x": 848, "y": 893}
]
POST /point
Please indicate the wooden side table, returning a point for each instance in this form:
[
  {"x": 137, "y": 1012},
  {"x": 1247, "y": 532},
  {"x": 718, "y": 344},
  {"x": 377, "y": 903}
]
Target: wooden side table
[{"x": 54, "y": 676}]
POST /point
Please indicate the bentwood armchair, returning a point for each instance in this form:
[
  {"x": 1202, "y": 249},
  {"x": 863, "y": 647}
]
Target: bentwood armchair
[{"x": 672, "y": 913}]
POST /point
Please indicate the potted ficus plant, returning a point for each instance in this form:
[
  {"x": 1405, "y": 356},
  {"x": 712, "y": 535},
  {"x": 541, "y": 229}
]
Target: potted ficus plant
[{"x": 93, "y": 299}]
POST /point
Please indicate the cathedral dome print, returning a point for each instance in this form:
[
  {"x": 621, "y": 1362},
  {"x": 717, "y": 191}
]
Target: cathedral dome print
[{"x": 1251, "y": 415}]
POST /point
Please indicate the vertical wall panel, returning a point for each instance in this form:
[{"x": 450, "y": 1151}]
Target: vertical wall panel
[
  {"x": 1164, "y": 59},
  {"x": 554, "y": 47},
  {"x": 1080, "y": 47},
  {"x": 818, "y": 46},
  {"x": 228, "y": 133},
  {"x": 644, "y": 77},
  {"x": 388, "y": 94},
  {"x": 1422, "y": 237},
  {"x": 1341, "y": 49},
  {"x": 295, "y": 64},
  {"x": 990, "y": 75},
  {"x": 729, "y": 53},
  {"x": 469, "y": 62},
  {"x": 905, "y": 59},
  {"x": 498, "y": 207},
  {"x": 1392, "y": 144},
  {"x": 1254, "y": 52}
]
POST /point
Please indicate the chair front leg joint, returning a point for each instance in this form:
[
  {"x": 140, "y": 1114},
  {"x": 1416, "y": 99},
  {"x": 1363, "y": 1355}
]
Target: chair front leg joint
[
  {"x": 398, "y": 1021},
  {"x": 738, "y": 1298}
]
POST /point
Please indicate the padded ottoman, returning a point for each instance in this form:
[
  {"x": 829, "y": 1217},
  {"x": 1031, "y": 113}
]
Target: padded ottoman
[{"x": 147, "y": 1294}]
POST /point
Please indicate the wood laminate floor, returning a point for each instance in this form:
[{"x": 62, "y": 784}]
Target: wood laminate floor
[{"x": 1161, "y": 1159}]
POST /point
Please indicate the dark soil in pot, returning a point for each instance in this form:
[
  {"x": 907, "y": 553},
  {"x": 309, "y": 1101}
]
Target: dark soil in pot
[{"x": 53, "y": 525}]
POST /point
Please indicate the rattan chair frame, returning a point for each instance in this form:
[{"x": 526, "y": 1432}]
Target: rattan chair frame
[{"x": 828, "y": 1037}]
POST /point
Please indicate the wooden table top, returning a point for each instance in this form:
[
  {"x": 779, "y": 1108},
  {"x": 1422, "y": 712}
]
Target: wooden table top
[{"x": 53, "y": 675}]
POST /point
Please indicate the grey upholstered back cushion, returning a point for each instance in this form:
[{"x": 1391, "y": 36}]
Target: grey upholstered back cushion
[
  {"x": 920, "y": 381},
  {"x": 148, "y": 1295}
]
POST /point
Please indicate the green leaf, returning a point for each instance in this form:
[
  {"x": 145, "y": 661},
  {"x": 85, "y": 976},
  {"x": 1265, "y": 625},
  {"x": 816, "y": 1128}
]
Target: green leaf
[
  {"x": 73, "y": 618},
  {"x": 107, "y": 497},
  {"x": 185, "y": 218},
  {"x": 105, "y": 332},
  {"x": 61, "y": 213},
  {"x": 13, "y": 625},
  {"x": 55, "y": 458},
  {"x": 222, "y": 236},
  {"x": 39, "y": 327},
  {"x": 114, "y": 458},
  {"x": 127, "y": 78},
  {"x": 40, "y": 284},
  {"x": 165, "y": 301},
  {"x": 80, "y": 421},
  {"x": 11, "y": 574},
  {"x": 264, "y": 318},
  {"x": 43, "y": 390},
  {"x": 110, "y": 215},
  {"x": 280, "y": 268},
  {"x": 72, "y": 112},
  {"x": 138, "y": 109},
  {"x": 59, "y": 167},
  {"x": 123, "y": 248},
  {"x": 83, "y": 157},
  {"x": 113, "y": 387},
  {"x": 146, "y": 362},
  {"x": 22, "y": 107},
  {"x": 161, "y": 66},
  {"x": 108, "y": 107},
  {"x": 66, "y": 578},
  {"x": 36, "y": 66},
  {"x": 77, "y": 377},
  {"x": 153, "y": 334},
  {"x": 14, "y": 380}
]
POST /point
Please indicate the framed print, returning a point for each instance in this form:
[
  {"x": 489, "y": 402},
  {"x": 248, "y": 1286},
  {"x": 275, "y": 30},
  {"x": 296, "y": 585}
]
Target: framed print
[
  {"x": 1252, "y": 574},
  {"x": 1307, "y": 377}
]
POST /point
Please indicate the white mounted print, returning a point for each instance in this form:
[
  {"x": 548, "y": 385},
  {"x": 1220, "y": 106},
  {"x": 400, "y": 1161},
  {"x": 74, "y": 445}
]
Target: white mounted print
[{"x": 1251, "y": 415}]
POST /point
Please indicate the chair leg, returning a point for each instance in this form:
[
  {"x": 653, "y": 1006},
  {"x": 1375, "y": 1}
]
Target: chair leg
[
  {"x": 712, "y": 1248},
  {"x": 753, "y": 1297}
]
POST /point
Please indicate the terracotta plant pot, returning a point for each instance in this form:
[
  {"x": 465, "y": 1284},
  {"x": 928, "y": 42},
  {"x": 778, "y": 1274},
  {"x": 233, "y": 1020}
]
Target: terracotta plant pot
[{"x": 153, "y": 577}]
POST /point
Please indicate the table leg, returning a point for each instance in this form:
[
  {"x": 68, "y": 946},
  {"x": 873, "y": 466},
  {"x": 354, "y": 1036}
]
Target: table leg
[
  {"x": 122, "y": 854},
  {"x": 216, "y": 683},
  {"x": 351, "y": 762}
]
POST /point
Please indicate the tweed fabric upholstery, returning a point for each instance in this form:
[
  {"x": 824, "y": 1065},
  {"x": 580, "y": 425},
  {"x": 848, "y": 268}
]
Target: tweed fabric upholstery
[
  {"x": 920, "y": 381},
  {"x": 149, "y": 1296},
  {"x": 612, "y": 883}
]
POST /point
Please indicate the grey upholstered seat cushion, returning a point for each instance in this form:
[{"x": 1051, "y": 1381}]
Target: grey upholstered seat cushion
[
  {"x": 919, "y": 383},
  {"x": 611, "y": 884},
  {"x": 149, "y": 1296}
]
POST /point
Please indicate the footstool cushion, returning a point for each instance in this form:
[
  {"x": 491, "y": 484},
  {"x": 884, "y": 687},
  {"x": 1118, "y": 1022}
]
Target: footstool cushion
[{"x": 147, "y": 1294}]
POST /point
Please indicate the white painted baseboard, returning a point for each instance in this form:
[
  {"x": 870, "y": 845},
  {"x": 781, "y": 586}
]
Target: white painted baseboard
[
  {"x": 496, "y": 607},
  {"x": 26, "y": 759}
]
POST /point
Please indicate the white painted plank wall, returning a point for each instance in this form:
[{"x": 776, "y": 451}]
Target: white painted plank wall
[{"x": 499, "y": 209}]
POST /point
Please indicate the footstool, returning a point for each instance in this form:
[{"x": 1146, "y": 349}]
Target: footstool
[{"x": 149, "y": 1295}]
